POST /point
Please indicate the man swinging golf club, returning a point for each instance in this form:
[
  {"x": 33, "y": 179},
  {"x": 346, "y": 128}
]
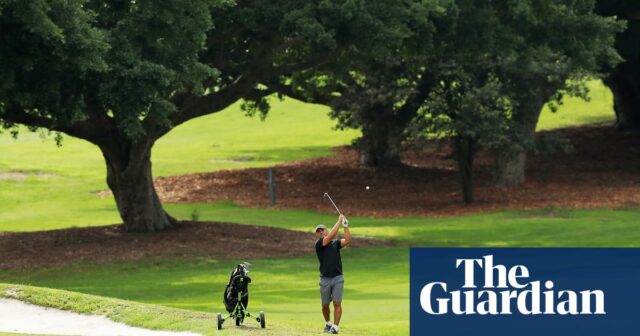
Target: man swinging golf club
[{"x": 331, "y": 279}]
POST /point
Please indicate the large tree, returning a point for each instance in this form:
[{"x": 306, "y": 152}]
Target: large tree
[
  {"x": 469, "y": 109},
  {"x": 380, "y": 93},
  {"x": 121, "y": 74},
  {"x": 468, "y": 106},
  {"x": 624, "y": 79},
  {"x": 503, "y": 61},
  {"x": 381, "y": 105},
  {"x": 548, "y": 46}
]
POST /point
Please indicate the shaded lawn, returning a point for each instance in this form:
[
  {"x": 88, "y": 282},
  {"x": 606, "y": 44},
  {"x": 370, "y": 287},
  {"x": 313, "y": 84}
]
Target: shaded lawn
[{"x": 62, "y": 183}]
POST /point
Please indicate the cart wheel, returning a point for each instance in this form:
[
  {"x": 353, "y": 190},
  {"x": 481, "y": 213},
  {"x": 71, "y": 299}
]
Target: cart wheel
[
  {"x": 220, "y": 321},
  {"x": 238, "y": 321},
  {"x": 262, "y": 321}
]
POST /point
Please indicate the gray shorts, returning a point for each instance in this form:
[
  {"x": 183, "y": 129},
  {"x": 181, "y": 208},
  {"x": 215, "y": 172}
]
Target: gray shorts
[{"x": 331, "y": 289}]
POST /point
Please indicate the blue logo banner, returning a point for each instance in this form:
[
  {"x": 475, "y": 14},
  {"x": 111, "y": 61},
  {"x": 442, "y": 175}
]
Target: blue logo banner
[{"x": 525, "y": 291}]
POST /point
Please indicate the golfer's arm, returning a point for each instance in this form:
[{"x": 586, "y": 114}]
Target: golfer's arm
[
  {"x": 344, "y": 242},
  {"x": 332, "y": 234}
]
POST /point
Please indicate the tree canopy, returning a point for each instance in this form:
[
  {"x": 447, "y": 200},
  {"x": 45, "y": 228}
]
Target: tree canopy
[
  {"x": 121, "y": 74},
  {"x": 380, "y": 93}
]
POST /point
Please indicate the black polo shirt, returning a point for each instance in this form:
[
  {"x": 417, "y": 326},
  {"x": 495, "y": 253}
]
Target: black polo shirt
[{"x": 329, "y": 257}]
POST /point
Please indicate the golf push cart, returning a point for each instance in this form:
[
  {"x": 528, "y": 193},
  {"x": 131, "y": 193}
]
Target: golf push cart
[{"x": 236, "y": 297}]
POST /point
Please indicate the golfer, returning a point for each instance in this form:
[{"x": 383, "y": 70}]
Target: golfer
[{"x": 331, "y": 279}]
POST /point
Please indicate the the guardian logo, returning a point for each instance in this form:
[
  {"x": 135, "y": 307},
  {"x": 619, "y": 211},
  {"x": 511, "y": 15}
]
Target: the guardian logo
[
  {"x": 506, "y": 291},
  {"x": 524, "y": 291}
]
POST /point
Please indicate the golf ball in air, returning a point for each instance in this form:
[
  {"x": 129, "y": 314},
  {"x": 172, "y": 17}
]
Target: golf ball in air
[{"x": 367, "y": 187}]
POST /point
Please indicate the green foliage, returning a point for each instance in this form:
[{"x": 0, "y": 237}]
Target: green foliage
[
  {"x": 525, "y": 53},
  {"x": 466, "y": 105},
  {"x": 552, "y": 45},
  {"x": 123, "y": 74},
  {"x": 155, "y": 48},
  {"x": 502, "y": 62},
  {"x": 379, "y": 92},
  {"x": 159, "y": 63},
  {"x": 49, "y": 49}
]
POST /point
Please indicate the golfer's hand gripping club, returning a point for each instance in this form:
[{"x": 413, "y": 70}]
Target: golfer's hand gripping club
[{"x": 343, "y": 220}]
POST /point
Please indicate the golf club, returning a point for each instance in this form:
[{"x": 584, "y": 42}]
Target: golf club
[{"x": 326, "y": 195}]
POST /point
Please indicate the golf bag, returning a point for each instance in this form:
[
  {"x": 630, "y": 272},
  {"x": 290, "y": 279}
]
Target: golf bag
[
  {"x": 236, "y": 298},
  {"x": 238, "y": 287}
]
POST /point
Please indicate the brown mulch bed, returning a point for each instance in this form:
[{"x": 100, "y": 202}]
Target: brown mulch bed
[
  {"x": 603, "y": 170},
  {"x": 191, "y": 239}
]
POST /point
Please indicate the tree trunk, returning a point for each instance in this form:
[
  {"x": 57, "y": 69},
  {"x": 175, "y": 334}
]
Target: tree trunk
[
  {"x": 510, "y": 167},
  {"x": 510, "y": 163},
  {"x": 380, "y": 144},
  {"x": 376, "y": 150},
  {"x": 624, "y": 79},
  {"x": 625, "y": 86},
  {"x": 384, "y": 125},
  {"x": 465, "y": 149},
  {"x": 129, "y": 178}
]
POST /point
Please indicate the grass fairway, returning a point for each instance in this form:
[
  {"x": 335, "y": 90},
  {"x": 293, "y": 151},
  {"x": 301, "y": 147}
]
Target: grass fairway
[
  {"x": 285, "y": 288},
  {"x": 377, "y": 280},
  {"x": 535, "y": 228}
]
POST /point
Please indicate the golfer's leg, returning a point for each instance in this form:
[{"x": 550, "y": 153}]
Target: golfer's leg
[
  {"x": 337, "y": 312},
  {"x": 325, "y": 297},
  {"x": 336, "y": 295},
  {"x": 326, "y": 312}
]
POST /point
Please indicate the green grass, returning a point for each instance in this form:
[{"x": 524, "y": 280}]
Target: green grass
[
  {"x": 550, "y": 227},
  {"x": 376, "y": 291},
  {"x": 128, "y": 312},
  {"x": 62, "y": 182},
  {"x": 285, "y": 288},
  {"x": 575, "y": 111}
]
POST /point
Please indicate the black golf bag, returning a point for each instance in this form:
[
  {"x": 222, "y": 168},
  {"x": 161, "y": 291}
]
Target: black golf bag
[
  {"x": 238, "y": 287},
  {"x": 236, "y": 297}
]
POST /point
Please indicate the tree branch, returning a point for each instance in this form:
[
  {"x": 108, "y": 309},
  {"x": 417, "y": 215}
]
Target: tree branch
[
  {"x": 409, "y": 109},
  {"x": 314, "y": 97},
  {"x": 84, "y": 129},
  {"x": 261, "y": 70}
]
